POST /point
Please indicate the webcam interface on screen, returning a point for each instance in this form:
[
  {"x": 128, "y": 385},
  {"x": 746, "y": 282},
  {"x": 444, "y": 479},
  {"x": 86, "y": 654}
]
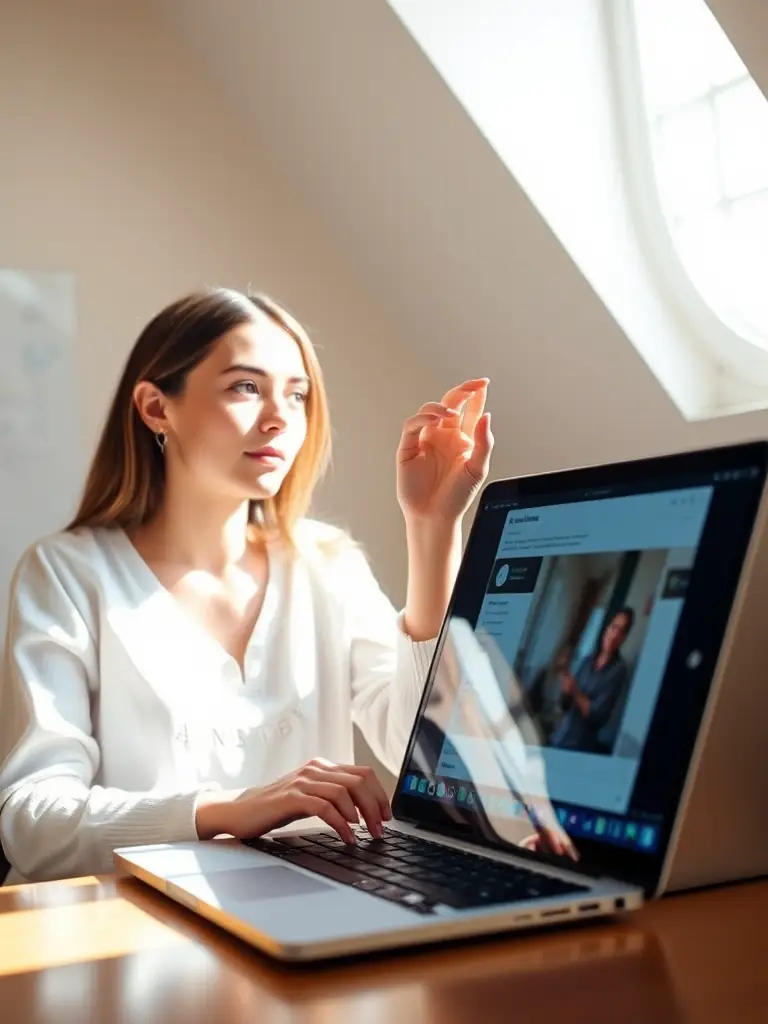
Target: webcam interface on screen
[{"x": 581, "y": 607}]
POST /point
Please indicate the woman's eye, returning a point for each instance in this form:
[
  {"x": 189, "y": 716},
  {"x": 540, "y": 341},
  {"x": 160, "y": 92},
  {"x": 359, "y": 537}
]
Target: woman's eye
[
  {"x": 249, "y": 387},
  {"x": 245, "y": 387}
]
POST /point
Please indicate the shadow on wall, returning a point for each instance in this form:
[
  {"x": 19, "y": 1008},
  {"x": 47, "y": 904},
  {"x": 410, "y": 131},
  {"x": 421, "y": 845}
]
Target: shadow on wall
[{"x": 364, "y": 755}]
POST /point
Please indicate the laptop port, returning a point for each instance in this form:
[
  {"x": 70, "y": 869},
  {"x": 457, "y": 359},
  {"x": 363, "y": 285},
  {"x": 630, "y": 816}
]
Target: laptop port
[
  {"x": 557, "y": 912},
  {"x": 620, "y": 903},
  {"x": 589, "y": 906}
]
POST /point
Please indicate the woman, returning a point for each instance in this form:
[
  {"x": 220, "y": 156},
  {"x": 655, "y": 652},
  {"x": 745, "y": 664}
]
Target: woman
[{"x": 188, "y": 657}]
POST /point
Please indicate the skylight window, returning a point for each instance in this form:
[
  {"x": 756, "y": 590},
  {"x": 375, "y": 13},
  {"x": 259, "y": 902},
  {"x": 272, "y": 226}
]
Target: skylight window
[{"x": 708, "y": 131}]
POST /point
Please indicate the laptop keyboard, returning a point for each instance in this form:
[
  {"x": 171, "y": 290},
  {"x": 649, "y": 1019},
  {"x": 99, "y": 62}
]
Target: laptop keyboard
[{"x": 416, "y": 873}]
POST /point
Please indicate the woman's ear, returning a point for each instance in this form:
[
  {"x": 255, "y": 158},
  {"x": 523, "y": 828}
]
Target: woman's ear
[{"x": 151, "y": 405}]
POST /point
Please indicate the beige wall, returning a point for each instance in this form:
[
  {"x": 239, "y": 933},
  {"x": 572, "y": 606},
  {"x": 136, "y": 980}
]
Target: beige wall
[
  {"x": 120, "y": 164},
  {"x": 372, "y": 138}
]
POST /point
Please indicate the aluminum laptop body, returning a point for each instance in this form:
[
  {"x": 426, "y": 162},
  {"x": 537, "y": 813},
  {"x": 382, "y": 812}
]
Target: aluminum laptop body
[{"x": 591, "y": 733}]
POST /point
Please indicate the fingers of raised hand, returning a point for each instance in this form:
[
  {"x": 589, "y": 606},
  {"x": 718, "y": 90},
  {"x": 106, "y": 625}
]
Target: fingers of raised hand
[
  {"x": 473, "y": 410},
  {"x": 459, "y": 396},
  {"x": 431, "y": 416}
]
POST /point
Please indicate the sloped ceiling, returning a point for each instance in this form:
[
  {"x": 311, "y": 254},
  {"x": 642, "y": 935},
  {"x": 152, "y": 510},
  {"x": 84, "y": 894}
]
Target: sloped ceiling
[
  {"x": 342, "y": 101},
  {"x": 746, "y": 24}
]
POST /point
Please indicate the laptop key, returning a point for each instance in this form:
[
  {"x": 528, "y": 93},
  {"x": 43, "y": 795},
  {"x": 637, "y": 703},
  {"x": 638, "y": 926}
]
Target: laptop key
[
  {"x": 394, "y": 892},
  {"x": 389, "y": 862},
  {"x": 422, "y": 873},
  {"x": 395, "y": 877},
  {"x": 369, "y": 885},
  {"x": 373, "y": 871},
  {"x": 374, "y": 857},
  {"x": 412, "y": 900},
  {"x": 326, "y": 839},
  {"x": 322, "y": 867}
]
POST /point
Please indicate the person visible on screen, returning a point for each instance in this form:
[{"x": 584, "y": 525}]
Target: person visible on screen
[
  {"x": 592, "y": 693},
  {"x": 188, "y": 657}
]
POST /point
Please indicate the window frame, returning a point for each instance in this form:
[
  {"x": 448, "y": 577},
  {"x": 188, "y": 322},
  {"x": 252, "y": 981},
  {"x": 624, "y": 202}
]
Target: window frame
[{"x": 735, "y": 354}]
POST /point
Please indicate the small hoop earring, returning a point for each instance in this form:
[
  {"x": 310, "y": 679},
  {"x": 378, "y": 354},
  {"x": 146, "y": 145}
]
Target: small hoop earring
[{"x": 161, "y": 439}]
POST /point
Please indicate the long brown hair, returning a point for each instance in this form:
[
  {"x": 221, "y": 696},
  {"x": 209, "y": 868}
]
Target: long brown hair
[{"x": 126, "y": 480}]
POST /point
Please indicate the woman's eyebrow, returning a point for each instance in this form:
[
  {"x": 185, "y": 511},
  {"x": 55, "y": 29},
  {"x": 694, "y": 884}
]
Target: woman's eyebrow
[{"x": 256, "y": 371}]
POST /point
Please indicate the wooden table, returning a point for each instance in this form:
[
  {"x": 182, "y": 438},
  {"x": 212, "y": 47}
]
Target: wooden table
[{"x": 98, "y": 951}]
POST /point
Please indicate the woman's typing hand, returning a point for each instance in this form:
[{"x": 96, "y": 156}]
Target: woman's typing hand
[{"x": 340, "y": 795}]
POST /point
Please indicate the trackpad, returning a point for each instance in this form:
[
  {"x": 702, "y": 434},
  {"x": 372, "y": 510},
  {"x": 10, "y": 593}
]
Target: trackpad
[{"x": 267, "y": 883}]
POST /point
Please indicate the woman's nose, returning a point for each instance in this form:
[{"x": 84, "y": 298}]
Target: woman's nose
[{"x": 273, "y": 415}]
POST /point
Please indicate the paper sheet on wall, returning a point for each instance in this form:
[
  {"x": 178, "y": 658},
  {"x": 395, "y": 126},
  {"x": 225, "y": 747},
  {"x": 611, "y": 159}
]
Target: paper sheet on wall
[{"x": 40, "y": 451}]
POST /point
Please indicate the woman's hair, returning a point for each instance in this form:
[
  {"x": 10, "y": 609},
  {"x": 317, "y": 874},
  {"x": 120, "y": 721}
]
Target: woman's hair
[{"x": 125, "y": 483}]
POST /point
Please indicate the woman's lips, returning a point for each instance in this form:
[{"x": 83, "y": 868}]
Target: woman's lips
[{"x": 266, "y": 455}]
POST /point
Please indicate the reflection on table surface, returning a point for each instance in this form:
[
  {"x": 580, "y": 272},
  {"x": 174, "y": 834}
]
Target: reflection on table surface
[{"x": 101, "y": 950}]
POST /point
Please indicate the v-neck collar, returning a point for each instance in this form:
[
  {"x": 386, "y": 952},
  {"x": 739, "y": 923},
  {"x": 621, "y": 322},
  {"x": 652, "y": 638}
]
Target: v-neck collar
[{"x": 150, "y": 583}]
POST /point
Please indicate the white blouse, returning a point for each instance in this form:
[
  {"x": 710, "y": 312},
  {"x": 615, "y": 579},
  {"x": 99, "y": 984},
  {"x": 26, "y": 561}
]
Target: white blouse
[{"x": 117, "y": 709}]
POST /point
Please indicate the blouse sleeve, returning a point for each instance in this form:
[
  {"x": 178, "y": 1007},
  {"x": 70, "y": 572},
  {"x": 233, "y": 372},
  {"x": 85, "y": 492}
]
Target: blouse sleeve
[{"x": 54, "y": 822}]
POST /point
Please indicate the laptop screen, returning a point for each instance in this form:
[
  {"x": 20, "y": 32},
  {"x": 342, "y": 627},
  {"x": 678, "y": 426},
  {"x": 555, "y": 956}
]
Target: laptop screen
[{"x": 572, "y": 671}]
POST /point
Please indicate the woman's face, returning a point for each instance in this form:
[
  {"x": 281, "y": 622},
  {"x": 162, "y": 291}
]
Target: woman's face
[
  {"x": 241, "y": 419},
  {"x": 615, "y": 633}
]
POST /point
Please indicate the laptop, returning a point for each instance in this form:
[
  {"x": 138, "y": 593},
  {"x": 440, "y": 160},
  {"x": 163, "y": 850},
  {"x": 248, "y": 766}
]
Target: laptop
[
  {"x": 558, "y": 968},
  {"x": 599, "y": 667}
]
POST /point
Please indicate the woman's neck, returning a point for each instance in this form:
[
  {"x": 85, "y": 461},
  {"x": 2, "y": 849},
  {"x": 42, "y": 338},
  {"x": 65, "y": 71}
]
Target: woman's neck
[
  {"x": 203, "y": 535},
  {"x": 605, "y": 658}
]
